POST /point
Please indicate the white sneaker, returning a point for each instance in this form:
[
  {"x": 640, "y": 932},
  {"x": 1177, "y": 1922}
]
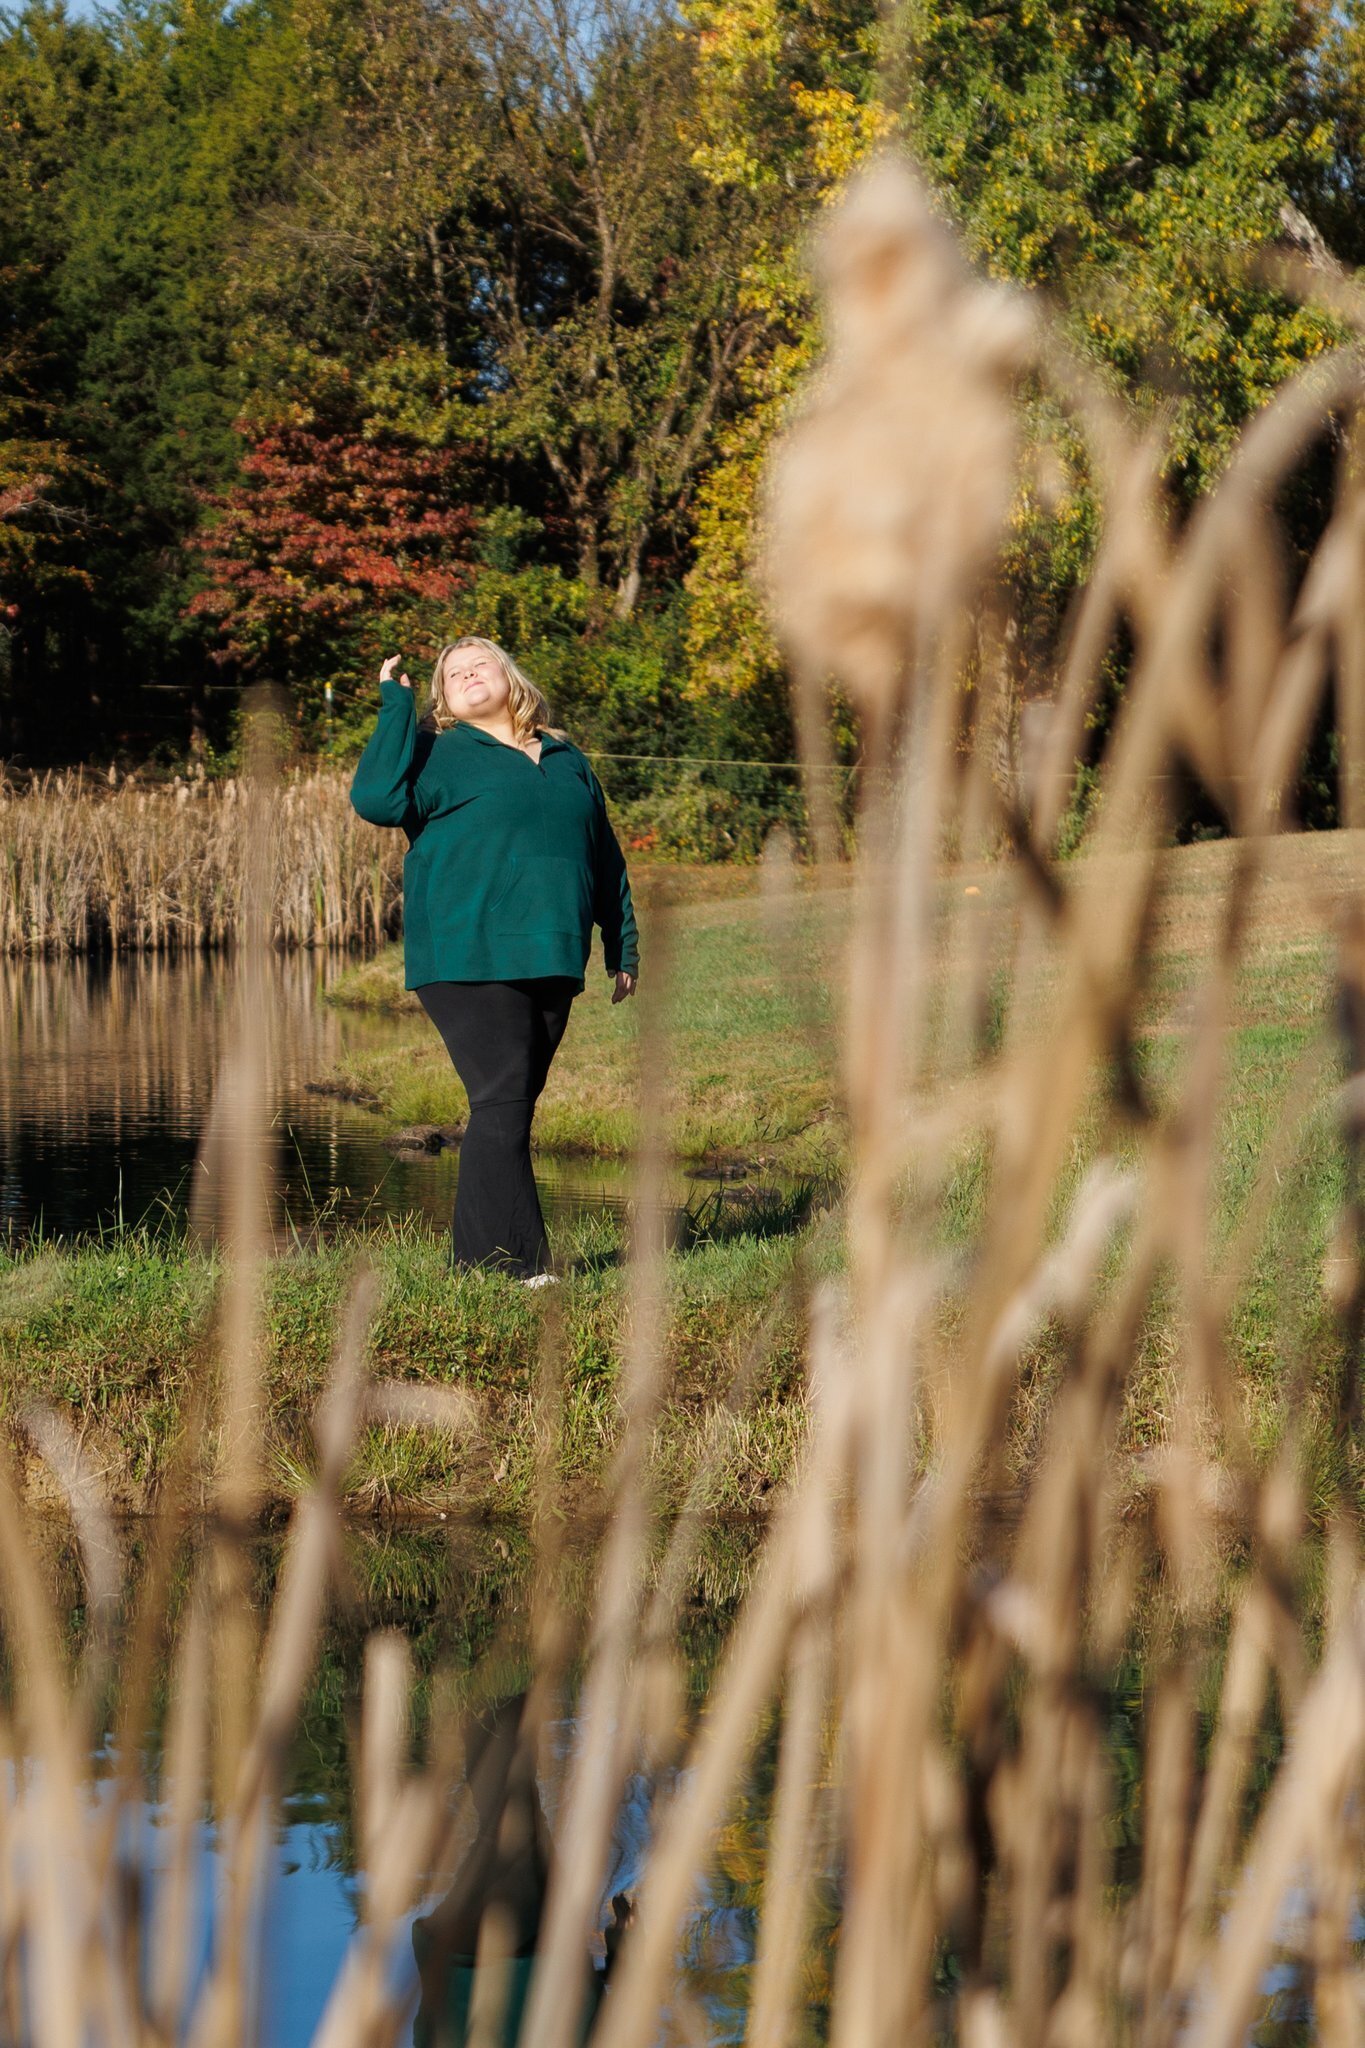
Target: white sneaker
[{"x": 541, "y": 1280}]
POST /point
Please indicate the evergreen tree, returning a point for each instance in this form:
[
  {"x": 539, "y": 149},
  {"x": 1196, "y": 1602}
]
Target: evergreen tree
[
  {"x": 143, "y": 142},
  {"x": 207, "y": 95},
  {"x": 55, "y": 82}
]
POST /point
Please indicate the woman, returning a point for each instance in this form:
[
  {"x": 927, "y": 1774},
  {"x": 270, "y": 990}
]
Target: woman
[
  {"x": 511, "y": 860},
  {"x": 476, "y": 1951}
]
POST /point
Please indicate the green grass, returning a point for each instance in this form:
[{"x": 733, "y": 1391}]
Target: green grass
[
  {"x": 750, "y": 1022},
  {"x": 119, "y": 1334}
]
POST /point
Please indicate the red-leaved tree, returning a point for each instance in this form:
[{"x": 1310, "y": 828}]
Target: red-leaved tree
[{"x": 323, "y": 547}]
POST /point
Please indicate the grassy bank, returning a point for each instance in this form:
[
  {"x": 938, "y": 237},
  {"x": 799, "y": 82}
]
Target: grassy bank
[
  {"x": 750, "y": 1069},
  {"x": 120, "y": 1336},
  {"x": 752, "y": 1065},
  {"x": 750, "y": 1077}
]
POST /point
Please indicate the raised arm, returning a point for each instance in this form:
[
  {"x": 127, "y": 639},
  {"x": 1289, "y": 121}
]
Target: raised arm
[{"x": 381, "y": 788}]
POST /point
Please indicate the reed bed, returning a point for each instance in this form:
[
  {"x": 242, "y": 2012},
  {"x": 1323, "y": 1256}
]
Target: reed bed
[
  {"x": 934, "y": 1654},
  {"x": 86, "y": 868}
]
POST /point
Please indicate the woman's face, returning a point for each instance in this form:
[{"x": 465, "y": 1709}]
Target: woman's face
[{"x": 473, "y": 683}]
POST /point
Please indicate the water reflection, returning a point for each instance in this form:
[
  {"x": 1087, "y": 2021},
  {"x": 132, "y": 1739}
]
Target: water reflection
[
  {"x": 476, "y": 1950},
  {"x": 107, "y": 1069},
  {"x": 462, "y": 1598}
]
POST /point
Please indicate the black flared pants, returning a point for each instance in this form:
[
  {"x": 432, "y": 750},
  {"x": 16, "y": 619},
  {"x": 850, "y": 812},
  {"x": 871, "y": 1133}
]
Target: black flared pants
[{"x": 501, "y": 1036}]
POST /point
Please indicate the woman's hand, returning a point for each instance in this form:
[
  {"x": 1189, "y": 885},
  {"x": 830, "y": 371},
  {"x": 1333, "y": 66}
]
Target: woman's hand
[
  {"x": 625, "y": 986},
  {"x": 386, "y": 673}
]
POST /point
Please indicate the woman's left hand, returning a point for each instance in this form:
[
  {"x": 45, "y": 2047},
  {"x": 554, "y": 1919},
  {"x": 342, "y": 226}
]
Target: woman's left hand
[{"x": 625, "y": 986}]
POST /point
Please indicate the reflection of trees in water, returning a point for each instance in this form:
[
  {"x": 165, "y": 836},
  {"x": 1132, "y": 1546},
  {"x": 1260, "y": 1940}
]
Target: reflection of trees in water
[
  {"x": 479, "y": 1942},
  {"x": 476, "y": 1948},
  {"x": 107, "y": 1089},
  {"x": 107, "y": 1101},
  {"x": 459, "y": 1592},
  {"x": 92, "y": 1043},
  {"x": 461, "y": 1595}
]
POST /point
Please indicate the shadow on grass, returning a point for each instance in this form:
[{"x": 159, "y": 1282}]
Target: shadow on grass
[{"x": 727, "y": 1213}]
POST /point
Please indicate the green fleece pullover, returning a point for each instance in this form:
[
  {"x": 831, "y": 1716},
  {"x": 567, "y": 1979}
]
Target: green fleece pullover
[{"x": 510, "y": 862}]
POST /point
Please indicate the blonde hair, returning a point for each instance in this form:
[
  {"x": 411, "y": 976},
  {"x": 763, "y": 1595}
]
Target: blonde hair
[{"x": 527, "y": 705}]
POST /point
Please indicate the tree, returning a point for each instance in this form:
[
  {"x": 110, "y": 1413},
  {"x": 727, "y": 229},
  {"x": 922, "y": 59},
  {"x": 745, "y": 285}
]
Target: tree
[
  {"x": 1131, "y": 161},
  {"x": 357, "y": 258},
  {"x": 41, "y": 531},
  {"x": 787, "y": 106},
  {"x": 495, "y": 217},
  {"x": 560, "y": 242},
  {"x": 326, "y": 542},
  {"x": 605, "y": 269},
  {"x": 208, "y": 96},
  {"x": 54, "y": 83},
  {"x": 39, "y": 483},
  {"x": 1329, "y": 184},
  {"x": 140, "y": 142}
]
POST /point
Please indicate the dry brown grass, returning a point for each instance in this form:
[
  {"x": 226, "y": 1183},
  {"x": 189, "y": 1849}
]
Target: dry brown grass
[
  {"x": 943, "y": 1662},
  {"x": 84, "y": 867}
]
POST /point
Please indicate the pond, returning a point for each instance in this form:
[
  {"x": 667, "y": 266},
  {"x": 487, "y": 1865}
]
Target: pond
[
  {"x": 461, "y": 1596},
  {"x": 107, "y": 1067}
]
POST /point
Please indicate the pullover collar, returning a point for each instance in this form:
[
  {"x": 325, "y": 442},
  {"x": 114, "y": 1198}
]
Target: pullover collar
[{"x": 548, "y": 743}]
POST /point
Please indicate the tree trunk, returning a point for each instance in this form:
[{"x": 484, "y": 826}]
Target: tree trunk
[
  {"x": 439, "y": 291},
  {"x": 628, "y": 589}
]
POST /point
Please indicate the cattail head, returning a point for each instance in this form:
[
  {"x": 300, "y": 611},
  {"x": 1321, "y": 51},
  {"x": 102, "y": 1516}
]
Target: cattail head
[
  {"x": 887, "y": 266},
  {"x": 886, "y": 497}
]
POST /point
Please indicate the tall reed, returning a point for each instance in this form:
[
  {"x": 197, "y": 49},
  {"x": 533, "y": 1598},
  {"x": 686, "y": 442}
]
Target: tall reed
[
  {"x": 84, "y": 868},
  {"x": 939, "y": 1646}
]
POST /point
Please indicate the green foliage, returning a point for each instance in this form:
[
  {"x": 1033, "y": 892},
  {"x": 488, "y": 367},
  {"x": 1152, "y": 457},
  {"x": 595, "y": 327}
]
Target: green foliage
[
  {"x": 55, "y": 82},
  {"x": 1332, "y": 103},
  {"x": 153, "y": 208},
  {"x": 700, "y": 813},
  {"x": 39, "y": 478},
  {"x": 138, "y": 144},
  {"x": 538, "y": 610},
  {"x": 1133, "y": 166},
  {"x": 576, "y": 266}
]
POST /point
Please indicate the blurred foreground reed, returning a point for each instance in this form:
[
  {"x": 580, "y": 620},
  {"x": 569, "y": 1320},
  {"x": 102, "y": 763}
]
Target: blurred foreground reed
[
  {"x": 937, "y": 1652},
  {"x": 84, "y": 868}
]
